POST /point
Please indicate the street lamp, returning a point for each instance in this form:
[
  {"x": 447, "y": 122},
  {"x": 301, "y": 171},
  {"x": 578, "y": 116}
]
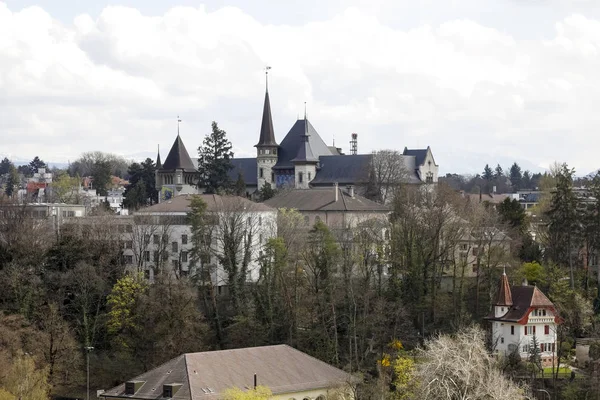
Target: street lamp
[{"x": 88, "y": 349}]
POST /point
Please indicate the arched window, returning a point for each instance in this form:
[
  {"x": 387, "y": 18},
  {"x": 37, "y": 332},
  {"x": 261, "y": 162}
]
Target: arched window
[
  {"x": 317, "y": 219},
  {"x": 260, "y": 172},
  {"x": 300, "y": 177},
  {"x": 306, "y": 220}
]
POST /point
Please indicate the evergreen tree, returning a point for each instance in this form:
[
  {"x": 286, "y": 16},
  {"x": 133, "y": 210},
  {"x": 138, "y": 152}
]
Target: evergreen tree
[
  {"x": 141, "y": 190},
  {"x": 36, "y": 164},
  {"x": 513, "y": 214},
  {"x": 563, "y": 221},
  {"x": 498, "y": 172},
  {"x": 5, "y": 165},
  {"x": 101, "y": 176},
  {"x": 240, "y": 186},
  {"x": 135, "y": 196},
  {"x": 488, "y": 174},
  {"x": 13, "y": 182},
  {"x": 516, "y": 176},
  {"x": 215, "y": 161},
  {"x": 526, "y": 180},
  {"x": 266, "y": 192}
]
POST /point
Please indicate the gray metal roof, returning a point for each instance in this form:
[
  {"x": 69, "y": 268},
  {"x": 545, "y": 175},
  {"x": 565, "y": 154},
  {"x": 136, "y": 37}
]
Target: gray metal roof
[
  {"x": 267, "y": 134},
  {"x": 323, "y": 199},
  {"x": 208, "y": 374},
  {"x": 294, "y": 143},
  {"x": 248, "y": 168},
  {"x": 178, "y": 158}
]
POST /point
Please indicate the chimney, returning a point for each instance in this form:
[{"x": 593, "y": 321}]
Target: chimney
[
  {"x": 335, "y": 189},
  {"x": 351, "y": 191}
]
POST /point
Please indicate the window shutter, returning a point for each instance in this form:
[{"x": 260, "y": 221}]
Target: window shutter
[
  {"x": 534, "y": 329},
  {"x": 546, "y": 329},
  {"x": 525, "y": 327}
]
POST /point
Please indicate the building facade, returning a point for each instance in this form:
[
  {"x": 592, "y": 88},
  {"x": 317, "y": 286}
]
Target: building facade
[
  {"x": 521, "y": 316},
  {"x": 159, "y": 238}
]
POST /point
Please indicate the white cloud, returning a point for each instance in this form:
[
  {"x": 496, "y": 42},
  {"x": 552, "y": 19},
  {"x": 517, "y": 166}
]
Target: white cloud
[{"x": 117, "y": 82}]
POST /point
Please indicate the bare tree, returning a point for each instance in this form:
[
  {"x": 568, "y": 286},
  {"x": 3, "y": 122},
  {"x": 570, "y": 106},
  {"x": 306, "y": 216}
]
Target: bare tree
[
  {"x": 460, "y": 367},
  {"x": 387, "y": 172}
]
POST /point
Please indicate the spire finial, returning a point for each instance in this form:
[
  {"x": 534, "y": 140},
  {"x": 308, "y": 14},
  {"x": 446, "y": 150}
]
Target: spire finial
[
  {"x": 267, "y": 68},
  {"x": 305, "y": 111},
  {"x": 178, "y": 122}
]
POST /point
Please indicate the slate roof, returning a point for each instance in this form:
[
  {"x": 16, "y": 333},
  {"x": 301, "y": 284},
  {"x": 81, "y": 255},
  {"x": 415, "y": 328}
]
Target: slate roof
[
  {"x": 349, "y": 169},
  {"x": 323, "y": 199},
  {"x": 214, "y": 202},
  {"x": 419, "y": 154},
  {"x": 158, "y": 163},
  {"x": 295, "y": 139},
  {"x": 523, "y": 298},
  {"x": 267, "y": 134},
  {"x": 208, "y": 374},
  {"x": 178, "y": 158},
  {"x": 248, "y": 168}
]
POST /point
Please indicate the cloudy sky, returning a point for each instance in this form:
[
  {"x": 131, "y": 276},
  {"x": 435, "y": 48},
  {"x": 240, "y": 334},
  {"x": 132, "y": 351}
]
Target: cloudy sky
[{"x": 478, "y": 81}]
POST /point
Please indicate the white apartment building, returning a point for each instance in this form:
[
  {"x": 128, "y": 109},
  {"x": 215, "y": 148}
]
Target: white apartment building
[{"x": 158, "y": 239}]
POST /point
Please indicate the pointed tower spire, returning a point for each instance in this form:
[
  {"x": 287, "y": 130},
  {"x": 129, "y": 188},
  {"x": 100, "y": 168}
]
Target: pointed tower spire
[
  {"x": 504, "y": 293},
  {"x": 267, "y": 133},
  {"x": 158, "y": 163}
]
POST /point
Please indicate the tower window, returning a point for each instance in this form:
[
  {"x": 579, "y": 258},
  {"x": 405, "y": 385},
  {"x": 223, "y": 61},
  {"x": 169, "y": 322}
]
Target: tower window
[
  {"x": 300, "y": 177},
  {"x": 275, "y": 151},
  {"x": 272, "y": 177},
  {"x": 309, "y": 177},
  {"x": 260, "y": 172},
  {"x": 267, "y": 151}
]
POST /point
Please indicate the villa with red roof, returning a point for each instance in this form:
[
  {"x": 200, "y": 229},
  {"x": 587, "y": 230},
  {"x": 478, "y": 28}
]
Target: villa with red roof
[{"x": 521, "y": 313}]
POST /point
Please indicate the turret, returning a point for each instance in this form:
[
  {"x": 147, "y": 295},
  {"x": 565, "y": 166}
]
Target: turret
[{"x": 504, "y": 298}]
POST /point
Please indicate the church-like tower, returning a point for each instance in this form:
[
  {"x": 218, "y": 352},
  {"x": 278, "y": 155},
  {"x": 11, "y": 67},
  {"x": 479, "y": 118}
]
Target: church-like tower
[
  {"x": 266, "y": 148},
  {"x": 177, "y": 175}
]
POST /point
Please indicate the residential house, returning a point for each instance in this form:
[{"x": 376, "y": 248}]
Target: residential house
[
  {"x": 289, "y": 374},
  {"x": 520, "y": 314}
]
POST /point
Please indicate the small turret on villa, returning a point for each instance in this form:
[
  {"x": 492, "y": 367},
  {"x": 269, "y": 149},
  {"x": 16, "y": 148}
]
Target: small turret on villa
[{"x": 519, "y": 314}]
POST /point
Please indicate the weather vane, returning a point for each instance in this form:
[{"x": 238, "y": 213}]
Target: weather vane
[
  {"x": 178, "y": 122},
  {"x": 267, "y": 68}
]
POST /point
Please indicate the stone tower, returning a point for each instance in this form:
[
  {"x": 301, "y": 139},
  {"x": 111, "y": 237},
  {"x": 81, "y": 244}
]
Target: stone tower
[{"x": 266, "y": 148}]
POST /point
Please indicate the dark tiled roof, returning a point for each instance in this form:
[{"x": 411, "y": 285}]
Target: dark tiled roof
[
  {"x": 290, "y": 145},
  {"x": 247, "y": 166},
  {"x": 214, "y": 202},
  {"x": 350, "y": 169},
  {"x": 323, "y": 199},
  {"x": 267, "y": 134},
  {"x": 419, "y": 154},
  {"x": 178, "y": 158},
  {"x": 524, "y": 298},
  {"x": 207, "y": 375}
]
